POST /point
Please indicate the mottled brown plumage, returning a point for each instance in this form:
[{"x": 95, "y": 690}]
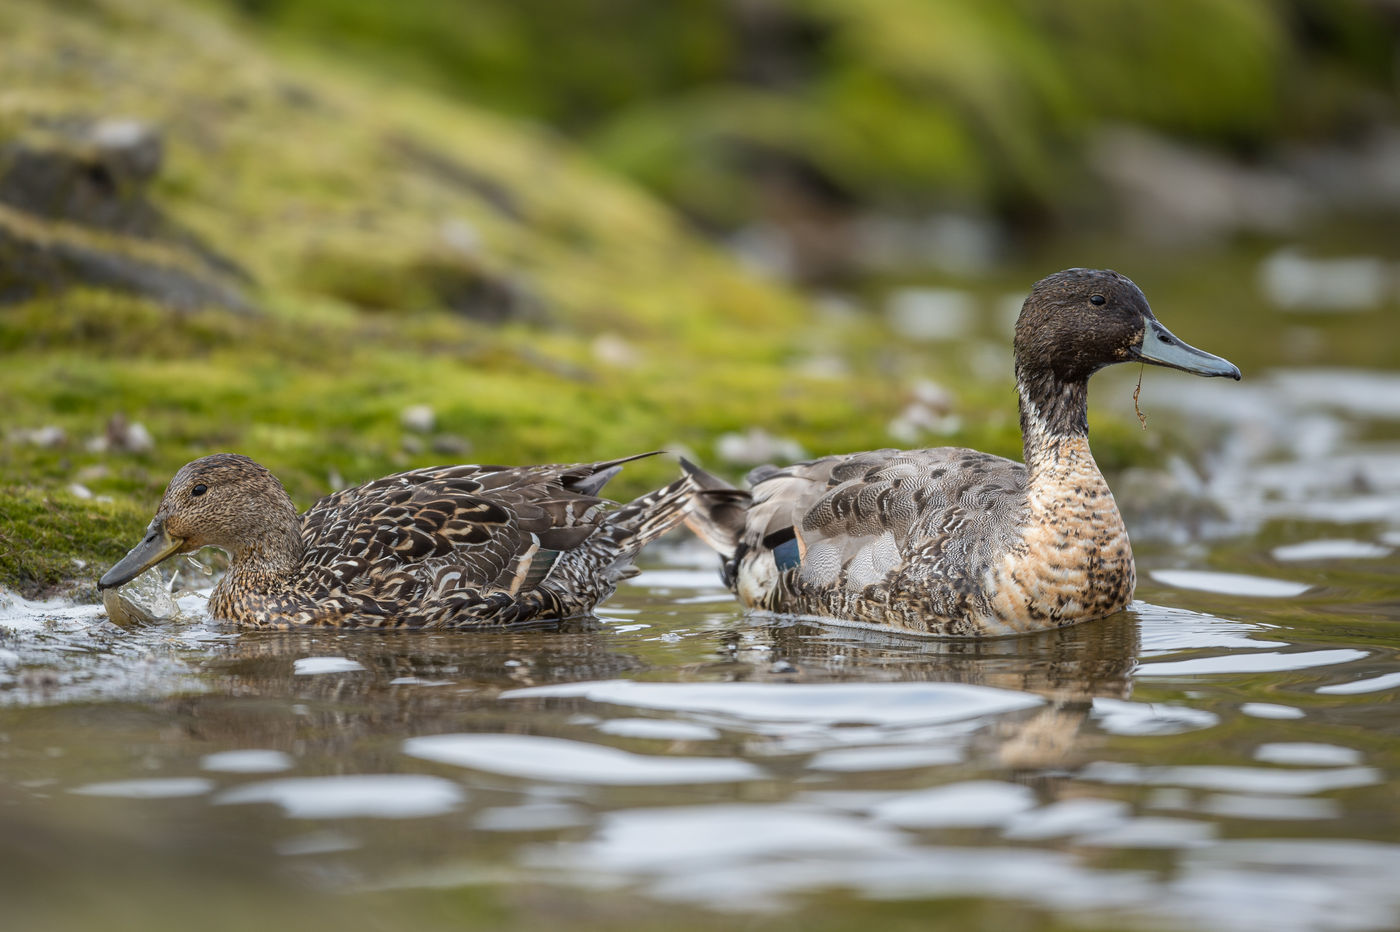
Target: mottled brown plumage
[
  {"x": 954, "y": 542},
  {"x": 444, "y": 547}
]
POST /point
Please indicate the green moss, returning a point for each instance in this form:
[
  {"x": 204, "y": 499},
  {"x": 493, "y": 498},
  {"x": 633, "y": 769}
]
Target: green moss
[{"x": 49, "y": 539}]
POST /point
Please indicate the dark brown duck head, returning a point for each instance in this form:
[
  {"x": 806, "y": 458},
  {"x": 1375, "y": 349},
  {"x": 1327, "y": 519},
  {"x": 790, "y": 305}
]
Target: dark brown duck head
[
  {"x": 224, "y": 500},
  {"x": 1073, "y": 324},
  {"x": 1077, "y": 321}
]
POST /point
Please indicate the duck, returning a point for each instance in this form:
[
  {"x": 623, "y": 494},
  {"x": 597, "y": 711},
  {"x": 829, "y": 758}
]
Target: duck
[
  {"x": 446, "y": 547},
  {"x": 953, "y": 542}
]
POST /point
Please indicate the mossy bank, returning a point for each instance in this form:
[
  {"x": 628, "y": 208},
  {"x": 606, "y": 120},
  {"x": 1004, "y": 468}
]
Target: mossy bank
[{"x": 241, "y": 249}]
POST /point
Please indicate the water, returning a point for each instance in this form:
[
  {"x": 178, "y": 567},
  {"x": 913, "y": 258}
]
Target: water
[{"x": 1222, "y": 756}]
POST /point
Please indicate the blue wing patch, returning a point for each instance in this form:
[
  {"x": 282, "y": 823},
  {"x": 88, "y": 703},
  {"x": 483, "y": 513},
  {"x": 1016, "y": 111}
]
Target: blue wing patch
[{"x": 787, "y": 555}]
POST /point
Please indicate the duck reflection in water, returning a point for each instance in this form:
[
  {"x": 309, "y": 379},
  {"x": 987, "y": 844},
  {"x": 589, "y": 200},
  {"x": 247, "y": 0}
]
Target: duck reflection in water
[{"x": 1068, "y": 667}]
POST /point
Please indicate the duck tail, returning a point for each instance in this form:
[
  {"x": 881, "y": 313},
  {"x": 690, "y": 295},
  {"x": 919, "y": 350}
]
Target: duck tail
[
  {"x": 717, "y": 511},
  {"x": 644, "y": 519},
  {"x": 589, "y": 573}
]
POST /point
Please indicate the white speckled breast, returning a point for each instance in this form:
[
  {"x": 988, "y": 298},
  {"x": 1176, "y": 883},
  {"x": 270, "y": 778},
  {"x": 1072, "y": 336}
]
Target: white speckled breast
[{"x": 1075, "y": 563}]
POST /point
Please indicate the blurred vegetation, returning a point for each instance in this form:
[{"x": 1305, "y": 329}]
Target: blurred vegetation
[{"x": 893, "y": 103}]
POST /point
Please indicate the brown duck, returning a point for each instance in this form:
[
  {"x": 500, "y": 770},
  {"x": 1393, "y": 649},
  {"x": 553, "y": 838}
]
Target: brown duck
[
  {"x": 950, "y": 541},
  {"x": 444, "y": 547}
]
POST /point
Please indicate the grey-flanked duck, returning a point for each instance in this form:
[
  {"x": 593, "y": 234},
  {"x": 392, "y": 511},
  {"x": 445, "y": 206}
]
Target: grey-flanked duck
[
  {"x": 949, "y": 541},
  {"x": 444, "y": 547}
]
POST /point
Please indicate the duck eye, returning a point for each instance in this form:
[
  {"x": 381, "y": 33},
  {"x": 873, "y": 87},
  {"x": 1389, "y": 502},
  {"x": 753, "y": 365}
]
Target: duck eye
[
  {"x": 1097, "y": 299},
  {"x": 199, "y": 489}
]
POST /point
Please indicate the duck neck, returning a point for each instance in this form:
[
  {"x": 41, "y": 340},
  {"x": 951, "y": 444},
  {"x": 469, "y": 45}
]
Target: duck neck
[
  {"x": 267, "y": 559},
  {"x": 1054, "y": 419}
]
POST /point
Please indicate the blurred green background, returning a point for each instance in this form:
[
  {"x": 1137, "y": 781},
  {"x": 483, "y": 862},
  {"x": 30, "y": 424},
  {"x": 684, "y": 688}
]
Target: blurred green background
[{"x": 347, "y": 237}]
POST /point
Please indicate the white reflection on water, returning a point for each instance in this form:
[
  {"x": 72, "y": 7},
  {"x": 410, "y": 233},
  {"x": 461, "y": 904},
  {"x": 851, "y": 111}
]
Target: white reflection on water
[
  {"x": 811, "y": 703},
  {"x": 316, "y": 843},
  {"x": 1230, "y": 583},
  {"x": 375, "y": 796},
  {"x": 1373, "y": 684},
  {"x": 669, "y": 579},
  {"x": 1119, "y": 717},
  {"x": 1068, "y": 817},
  {"x": 655, "y": 841},
  {"x": 1330, "y": 549},
  {"x": 866, "y": 760},
  {"x": 1260, "y": 662},
  {"x": 531, "y": 817},
  {"x": 312, "y": 666},
  {"x": 1307, "y": 754},
  {"x": 1150, "y": 832},
  {"x": 749, "y": 857},
  {"x": 1287, "y": 451},
  {"x": 976, "y": 803},
  {"x": 1163, "y": 628},
  {"x": 246, "y": 761},
  {"x": 1271, "y": 710},
  {"x": 1252, "y": 806},
  {"x": 1285, "y": 883},
  {"x": 563, "y": 761},
  {"x": 159, "y": 788},
  {"x": 1240, "y": 779},
  {"x": 1358, "y": 392},
  {"x": 657, "y": 728}
]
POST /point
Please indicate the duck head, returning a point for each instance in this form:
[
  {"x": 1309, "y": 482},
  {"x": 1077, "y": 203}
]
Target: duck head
[
  {"x": 1077, "y": 321},
  {"x": 224, "y": 500}
]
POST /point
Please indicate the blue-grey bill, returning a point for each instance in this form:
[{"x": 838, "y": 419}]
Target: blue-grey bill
[
  {"x": 156, "y": 546},
  {"x": 1161, "y": 347}
]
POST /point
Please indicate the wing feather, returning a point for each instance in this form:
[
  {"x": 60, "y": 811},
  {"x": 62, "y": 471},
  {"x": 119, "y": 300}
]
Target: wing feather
[{"x": 866, "y": 519}]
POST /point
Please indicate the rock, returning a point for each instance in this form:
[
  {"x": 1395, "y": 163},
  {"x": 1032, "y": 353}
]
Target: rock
[
  {"x": 143, "y": 601},
  {"x": 92, "y": 473},
  {"x": 41, "y": 261},
  {"x": 481, "y": 293},
  {"x": 419, "y": 418},
  {"x": 956, "y": 243},
  {"x": 930, "y": 412},
  {"x": 129, "y": 148},
  {"x": 138, "y": 439},
  {"x": 89, "y": 173},
  {"x": 451, "y": 445},
  {"x": 1174, "y": 193},
  {"x": 93, "y": 176},
  {"x": 765, "y": 250},
  {"x": 461, "y": 237},
  {"x": 1294, "y": 282},
  {"x": 49, "y": 437},
  {"x": 614, "y": 351},
  {"x": 756, "y": 447},
  {"x": 930, "y": 314},
  {"x": 1359, "y": 176},
  {"x": 122, "y": 436}
]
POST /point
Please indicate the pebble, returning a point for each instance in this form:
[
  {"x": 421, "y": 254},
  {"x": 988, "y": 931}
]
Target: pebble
[{"x": 420, "y": 418}]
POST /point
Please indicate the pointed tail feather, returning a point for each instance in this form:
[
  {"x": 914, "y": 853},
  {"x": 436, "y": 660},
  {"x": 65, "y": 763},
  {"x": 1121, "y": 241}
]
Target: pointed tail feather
[
  {"x": 588, "y": 574},
  {"x": 589, "y": 478},
  {"x": 644, "y": 519},
  {"x": 717, "y": 511}
]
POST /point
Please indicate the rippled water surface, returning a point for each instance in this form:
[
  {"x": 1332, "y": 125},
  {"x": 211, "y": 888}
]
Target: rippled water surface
[{"x": 1225, "y": 755}]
